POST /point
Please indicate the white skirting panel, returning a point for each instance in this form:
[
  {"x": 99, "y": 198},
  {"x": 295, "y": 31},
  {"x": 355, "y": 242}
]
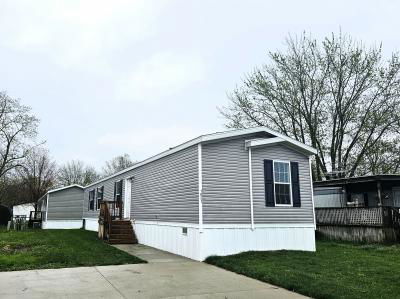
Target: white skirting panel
[
  {"x": 169, "y": 237},
  {"x": 62, "y": 224},
  {"x": 223, "y": 240},
  {"x": 92, "y": 224},
  {"x": 226, "y": 241}
]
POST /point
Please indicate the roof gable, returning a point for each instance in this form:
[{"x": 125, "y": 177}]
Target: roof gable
[{"x": 214, "y": 137}]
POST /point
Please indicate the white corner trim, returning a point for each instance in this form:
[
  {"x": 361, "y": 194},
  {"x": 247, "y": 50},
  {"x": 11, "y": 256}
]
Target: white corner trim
[
  {"x": 312, "y": 192},
  {"x": 47, "y": 205},
  {"x": 251, "y": 190},
  {"x": 199, "y": 150}
]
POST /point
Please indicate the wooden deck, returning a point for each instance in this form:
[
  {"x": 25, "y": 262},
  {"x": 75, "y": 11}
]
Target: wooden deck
[
  {"x": 373, "y": 224},
  {"x": 359, "y": 216}
]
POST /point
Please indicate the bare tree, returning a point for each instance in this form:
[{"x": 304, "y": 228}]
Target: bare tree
[
  {"x": 75, "y": 172},
  {"x": 12, "y": 191},
  {"x": 29, "y": 181},
  {"x": 18, "y": 127},
  {"x": 336, "y": 95},
  {"x": 117, "y": 164},
  {"x": 38, "y": 173}
]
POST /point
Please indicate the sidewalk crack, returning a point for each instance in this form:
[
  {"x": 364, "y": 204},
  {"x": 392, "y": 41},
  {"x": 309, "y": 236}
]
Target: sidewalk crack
[{"x": 113, "y": 286}]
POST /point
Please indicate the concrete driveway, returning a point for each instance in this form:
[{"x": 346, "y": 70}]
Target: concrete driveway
[{"x": 165, "y": 276}]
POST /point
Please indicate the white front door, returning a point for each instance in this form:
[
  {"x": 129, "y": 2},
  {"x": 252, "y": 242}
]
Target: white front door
[
  {"x": 396, "y": 197},
  {"x": 127, "y": 199}
]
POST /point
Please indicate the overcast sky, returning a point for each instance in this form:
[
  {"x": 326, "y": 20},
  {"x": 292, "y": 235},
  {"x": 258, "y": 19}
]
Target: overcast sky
[{"x": 137, "y": 77}]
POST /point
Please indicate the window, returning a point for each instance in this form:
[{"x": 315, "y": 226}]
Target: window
[
  {"x": 99, "y": 197},
  {"x": 282, "y": 183},
  {"x": 91, "y": 200},
  {"x": 282, "y": 186},
  {"x": 118, "y": 191}
]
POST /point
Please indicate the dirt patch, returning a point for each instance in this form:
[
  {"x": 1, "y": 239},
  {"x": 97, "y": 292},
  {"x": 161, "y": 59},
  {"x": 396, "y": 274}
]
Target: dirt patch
[{"x": 15, "y": 248}]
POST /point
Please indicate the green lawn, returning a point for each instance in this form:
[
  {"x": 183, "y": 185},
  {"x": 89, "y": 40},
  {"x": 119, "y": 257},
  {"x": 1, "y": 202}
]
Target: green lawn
[
  {"x": 336, "y": 270},
  {"x": 40, "y": 249}
]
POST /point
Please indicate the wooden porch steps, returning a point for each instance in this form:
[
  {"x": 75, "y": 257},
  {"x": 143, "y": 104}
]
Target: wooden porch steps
[{"x": 121, "y": 232}]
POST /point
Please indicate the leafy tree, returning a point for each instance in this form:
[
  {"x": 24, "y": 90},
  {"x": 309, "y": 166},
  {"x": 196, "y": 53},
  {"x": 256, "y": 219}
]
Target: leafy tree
[
  {"x": 117, "y": 164},
  {"x": 75, "y": 172},
  {"x": 336, "y": 95}
]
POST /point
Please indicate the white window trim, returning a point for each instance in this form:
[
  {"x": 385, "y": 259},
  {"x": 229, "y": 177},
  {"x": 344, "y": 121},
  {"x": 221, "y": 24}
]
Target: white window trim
[
  {"x": 116, "y": 189},
  {"x": 290, "y": 183},
  {"x": 94, "y": 200},
  {"x": 97, "y": 197}
]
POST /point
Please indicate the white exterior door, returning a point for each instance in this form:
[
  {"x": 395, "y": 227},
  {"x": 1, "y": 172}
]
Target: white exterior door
[
  {"x": 396, "y": 197},
  {"x": 127, "y": 199}
]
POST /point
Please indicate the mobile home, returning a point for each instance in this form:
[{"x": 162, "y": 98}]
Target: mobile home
[
  {"x": 217, "y": 194},
  {"x": 62, "y": 208}
]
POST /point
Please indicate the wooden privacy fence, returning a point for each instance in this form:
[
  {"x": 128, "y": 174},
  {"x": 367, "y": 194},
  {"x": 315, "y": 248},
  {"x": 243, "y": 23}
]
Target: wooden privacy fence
[{"x": 359, "y": 216}]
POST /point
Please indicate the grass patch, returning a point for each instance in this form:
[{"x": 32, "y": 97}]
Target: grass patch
[
  {"x": 45, "y": 249},
  {"x": 335, "y": 270}
]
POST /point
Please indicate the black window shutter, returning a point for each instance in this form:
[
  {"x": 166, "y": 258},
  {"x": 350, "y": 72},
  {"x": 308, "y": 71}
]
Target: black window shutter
[
  {"x": 88, "y": 207},
  {"x": 115, "y": 191},
  {"x": 294, "y": 170},
  {"x": 120, "y": 189},
  {"x": 269, "y": 183}
]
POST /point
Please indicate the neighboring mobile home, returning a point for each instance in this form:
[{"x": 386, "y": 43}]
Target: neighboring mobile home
[
  {"x": 362, "y": 191},
  {"x": 62, "y": 207},
  {"x": 362, "y": 209},
  {"x": 217, "y": 194},
  {"x": 23, "y": 209}
]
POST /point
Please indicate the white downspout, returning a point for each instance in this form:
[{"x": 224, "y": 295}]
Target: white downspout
[
  {"x": 312, "y": 192},
  {"x": 200, "y": 188},
  {"x": 251, "y": 191}
]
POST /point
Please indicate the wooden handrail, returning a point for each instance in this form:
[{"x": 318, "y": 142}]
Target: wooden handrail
[{"x": 109, "y": 211}]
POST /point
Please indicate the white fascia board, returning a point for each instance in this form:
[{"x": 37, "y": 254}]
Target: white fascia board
[
  {"x": 41, "y": 198},
  {"x": 151, "y": 159},
  {"x": 66, "y": 187},
  {"x": 260, "y": 142},
  {"x": 312, "y": 150},
  {"x": 275, "y": 140},
  {"x": 206, "y": 138},
  {"x": 200, "y": 139}
]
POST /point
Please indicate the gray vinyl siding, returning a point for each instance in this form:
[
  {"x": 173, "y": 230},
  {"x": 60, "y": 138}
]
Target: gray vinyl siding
[
  {"x": 263, "y": 214},
  {"x": 167, "y": 189},
  {"x": 162, "y": 190},
  {"x": 65, "y": 204},
  {"x": 107, "y": 195},
  {"x": 225, "y": 193}
]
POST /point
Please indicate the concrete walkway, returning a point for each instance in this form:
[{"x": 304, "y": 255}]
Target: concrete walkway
[{"x": 165, "y": 276}]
